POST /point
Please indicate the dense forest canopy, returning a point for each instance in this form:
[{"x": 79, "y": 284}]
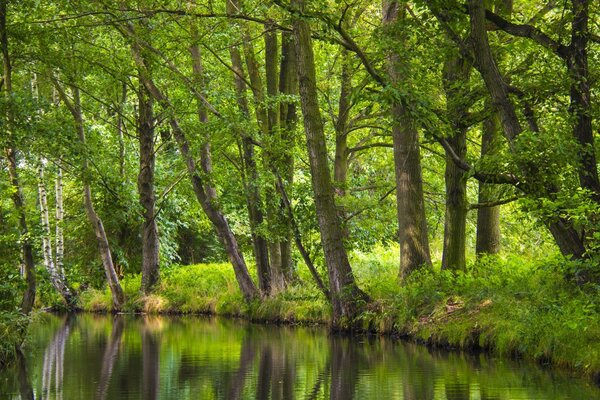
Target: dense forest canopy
[{"x": 282, "y": 136}]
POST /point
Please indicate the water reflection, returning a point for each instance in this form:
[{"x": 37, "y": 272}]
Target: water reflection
[
  {"x": 111, "y": 352},
  {"x": 106, "y": 357}
]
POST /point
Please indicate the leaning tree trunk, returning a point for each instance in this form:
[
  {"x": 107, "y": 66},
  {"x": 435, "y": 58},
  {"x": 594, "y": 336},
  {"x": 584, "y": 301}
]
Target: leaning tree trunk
[
  {"x": 565, "y": 235},
  {"x": 347, "y": 299},
  {"x": 145, "y": 183},
  {"x": 55, "y": 272},
  {"x": 204, "y": 192},
  {"x": 74, "y": 106},
  {"x": 456, "y": 78},
  {"x": 11, "y": 158},
  {"x": 412, "y": 224}
]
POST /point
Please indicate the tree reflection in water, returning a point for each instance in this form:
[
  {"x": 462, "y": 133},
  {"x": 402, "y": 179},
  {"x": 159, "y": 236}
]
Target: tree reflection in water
[
  {"x": 111, "y": 352},
  {"x": 54, "y": 360},
  {"x": 104, "y": 357}
]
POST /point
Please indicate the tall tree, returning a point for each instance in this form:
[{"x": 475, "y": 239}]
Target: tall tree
[
  {"x": 74, "y": 106},
  {"x": 204, "y": 192},
  {"x": 11, "y": 157},
  {"x": 150, "y": 242},
  {"x": 56, "y": 272},
  {"x": 456, "y": 78},
  {"x": 412, "y": 224},
  {"x": 347, "y": 299},
  {"x": 254, "y": 201}
]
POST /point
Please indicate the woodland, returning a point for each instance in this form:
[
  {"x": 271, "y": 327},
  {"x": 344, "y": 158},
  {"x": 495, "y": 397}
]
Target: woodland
[{"x": 423, "y": 168}]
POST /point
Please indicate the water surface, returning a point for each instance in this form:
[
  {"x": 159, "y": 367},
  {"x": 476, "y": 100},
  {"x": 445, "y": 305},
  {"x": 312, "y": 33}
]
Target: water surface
[{"x": 127, "y": 357}]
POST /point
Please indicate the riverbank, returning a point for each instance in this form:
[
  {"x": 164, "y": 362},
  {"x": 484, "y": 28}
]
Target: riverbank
[{"x": 503, "y": 306}]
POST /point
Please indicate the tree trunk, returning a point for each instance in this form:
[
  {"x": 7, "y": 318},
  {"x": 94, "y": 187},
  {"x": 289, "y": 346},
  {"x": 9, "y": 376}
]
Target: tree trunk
[
  {"x": 11, "y": 158},
  {"x": 267, "y": 120},
  {"x": 253, "y": 199},
  {"x": 340, "y": 166},
  {"x": 74, "y": 106},
  {"x": 347, "y": 299},
  {"x": 120, "y": 127},
  {"x": 488, "y": 218},
  {"x": 275, "y": 213},
  {"x": 288, "y": 85},
  {"x": 456, "y": 79},
  {"x": 580, "y": 107},
  {"x": 59, "y": 216},
  {"x": 205, "y": 193},
  {"x": 145, "y": 183},
  {"x": 56, "y": 274},
  {"x": 565, "y": 235},
  {"x": 412, "y": 224}
]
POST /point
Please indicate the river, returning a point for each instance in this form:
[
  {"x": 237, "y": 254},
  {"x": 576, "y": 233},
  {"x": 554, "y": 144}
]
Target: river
[{"x": 148, "y": 357}]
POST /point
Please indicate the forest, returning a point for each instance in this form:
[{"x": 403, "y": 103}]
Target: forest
[{"x": 426, "y": 169}]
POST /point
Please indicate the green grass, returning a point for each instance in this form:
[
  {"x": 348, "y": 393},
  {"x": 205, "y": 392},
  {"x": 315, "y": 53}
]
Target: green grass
[{"x": 508, "y": 306}]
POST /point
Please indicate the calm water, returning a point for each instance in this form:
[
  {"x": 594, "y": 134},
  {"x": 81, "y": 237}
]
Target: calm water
[{"x": 124, "y": 357}]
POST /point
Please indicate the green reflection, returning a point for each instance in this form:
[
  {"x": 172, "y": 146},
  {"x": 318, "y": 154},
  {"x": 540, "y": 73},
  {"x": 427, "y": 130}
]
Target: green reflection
[{"x": 126, "y": 357}]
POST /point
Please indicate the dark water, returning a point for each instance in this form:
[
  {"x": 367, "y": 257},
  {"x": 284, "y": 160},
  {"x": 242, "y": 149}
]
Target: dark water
[{"x": 124, "y": 357}]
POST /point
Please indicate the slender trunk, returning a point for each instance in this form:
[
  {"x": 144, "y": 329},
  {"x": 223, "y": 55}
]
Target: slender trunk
[
  {"x": 11, "y": 158},
  {"x": 456, "y": 79},
  {"x": 56, "y": 274},
  {"x": 120, "y": 128},
  {"x": 74, "y": 106},
  {"x": 347, "y": 298},
  {"x": 275, "y": 213},
  {"x": 266, "y": 119},
  {"x": 340, "y": 166},
  {"x": 288, "y": 85},
  {"x": 298, "y": 239},
  {"x": 580, "y": 107},
  {"x": 205, "y": 194},
  {"x": 488, "y": 218},
  {"x": 412, "y": 224},
  {"x": 145, "y": 183},
  {"x": 253, "y": 199},
  {"x": 59, "y": 216}
]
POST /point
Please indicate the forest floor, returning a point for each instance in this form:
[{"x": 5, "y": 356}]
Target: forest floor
[{"x": 508, "y": 307}]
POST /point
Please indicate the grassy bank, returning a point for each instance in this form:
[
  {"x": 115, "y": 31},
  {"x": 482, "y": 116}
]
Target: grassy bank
[{"x": 505, "y": 306}]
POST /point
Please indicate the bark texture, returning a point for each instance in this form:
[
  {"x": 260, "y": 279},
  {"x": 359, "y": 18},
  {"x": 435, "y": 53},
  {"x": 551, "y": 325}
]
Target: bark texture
[
  {"x": 145, "y": 184},
  {"x": 288, "y": 85},
  {"x": 456, "y": 78},
  {"x": 346, "y": 298},
  {"x": 412, "y": 224},
  {"x": 488, "y": 218}
]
